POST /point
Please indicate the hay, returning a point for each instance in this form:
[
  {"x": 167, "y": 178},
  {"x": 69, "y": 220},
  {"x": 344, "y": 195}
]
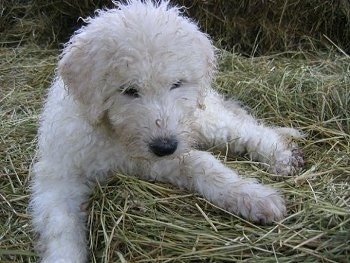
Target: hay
[
  {"x": 261, "y": 27},
  {"x": 47, "y": 23},
  {"x": 250, "y": 27},
  {"x": 25, "y": 74},
  {"x": 136, "y": 221}
]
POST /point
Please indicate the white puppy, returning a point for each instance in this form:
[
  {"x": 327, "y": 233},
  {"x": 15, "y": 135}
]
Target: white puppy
[{"x": 133, "y": 94}]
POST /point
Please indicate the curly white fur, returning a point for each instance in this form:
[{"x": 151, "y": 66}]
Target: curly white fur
[{"x": 132, "y": 93}]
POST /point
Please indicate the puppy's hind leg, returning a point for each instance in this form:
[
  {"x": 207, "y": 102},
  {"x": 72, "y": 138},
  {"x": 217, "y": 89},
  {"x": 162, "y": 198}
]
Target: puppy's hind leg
[
  {"x": 225, "y": 124},
  {"x": 58, "y": 217}
]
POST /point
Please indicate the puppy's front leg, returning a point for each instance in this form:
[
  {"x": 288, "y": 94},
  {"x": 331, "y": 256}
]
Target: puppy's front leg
[
  {"x": 201, "y": 172},
  {"x": 226, "y": 125},
  {"x": 58, "y": 216}
]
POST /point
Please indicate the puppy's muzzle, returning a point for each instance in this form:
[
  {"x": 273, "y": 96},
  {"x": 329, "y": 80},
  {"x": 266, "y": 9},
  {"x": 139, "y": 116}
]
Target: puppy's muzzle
[{"x": 162, "y": 146}]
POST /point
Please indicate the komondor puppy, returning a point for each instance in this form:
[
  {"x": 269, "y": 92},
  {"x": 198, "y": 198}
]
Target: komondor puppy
[{"x": 133, "y": 93}]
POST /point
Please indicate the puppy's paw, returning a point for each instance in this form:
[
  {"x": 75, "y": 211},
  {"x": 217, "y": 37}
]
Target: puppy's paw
[
  {"x": 255, "y": 202},
  {"x": 261, "y": 204},
  {"x": 63, "y": 259},
  {"x": 287, "y": 162}
]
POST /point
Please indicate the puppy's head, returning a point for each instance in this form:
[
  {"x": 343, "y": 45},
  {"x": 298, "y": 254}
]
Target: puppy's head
[{"x": 145, "y": 67}]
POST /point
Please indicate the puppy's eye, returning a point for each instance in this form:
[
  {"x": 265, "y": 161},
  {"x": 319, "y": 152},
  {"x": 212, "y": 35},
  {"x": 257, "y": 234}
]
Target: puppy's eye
[
  {"x": 176, "y": 85},
  {"x": 131, "y": 92}
]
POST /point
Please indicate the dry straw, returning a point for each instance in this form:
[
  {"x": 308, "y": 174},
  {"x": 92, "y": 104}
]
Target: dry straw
[
  {"x": 131, "y": 220},
  {"x": 250, "y": 27}
]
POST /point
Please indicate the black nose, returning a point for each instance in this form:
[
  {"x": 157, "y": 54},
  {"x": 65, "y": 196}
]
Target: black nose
[{"x": 163, "y": 146}]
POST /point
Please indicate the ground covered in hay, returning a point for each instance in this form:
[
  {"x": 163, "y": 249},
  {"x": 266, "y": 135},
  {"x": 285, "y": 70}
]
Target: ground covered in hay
[
  {"x": 136, "y": 221},
  {"x": 131, "y": 220}
]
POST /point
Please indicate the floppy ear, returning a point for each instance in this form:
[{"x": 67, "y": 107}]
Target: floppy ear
[
  {"x": 208, "y": 51},
  {"x": 82, "y": 67}
]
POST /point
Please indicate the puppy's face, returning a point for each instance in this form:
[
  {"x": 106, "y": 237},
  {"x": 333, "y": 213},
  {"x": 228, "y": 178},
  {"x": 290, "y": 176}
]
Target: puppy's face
[
  {"x": 147, "y": 69},
  {"x": 153, "y": 118}
]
